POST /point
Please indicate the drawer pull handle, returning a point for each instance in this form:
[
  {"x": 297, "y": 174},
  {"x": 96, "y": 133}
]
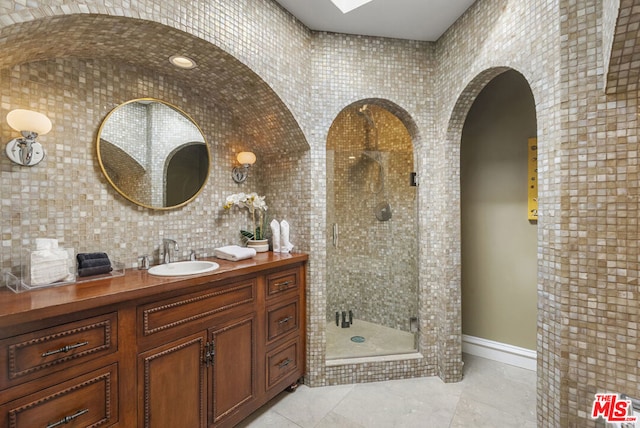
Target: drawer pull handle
[
  {"x": 285, "y": 320},
  {"x": 68, "y": 419},
  {"x": 285, "y": 363},
  {"x": 282, "y": 285},
  {"x": 65, "y": 349}
]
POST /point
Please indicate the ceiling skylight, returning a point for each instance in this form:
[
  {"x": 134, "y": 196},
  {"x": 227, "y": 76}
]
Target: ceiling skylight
[{"x": 348, "y": 5}]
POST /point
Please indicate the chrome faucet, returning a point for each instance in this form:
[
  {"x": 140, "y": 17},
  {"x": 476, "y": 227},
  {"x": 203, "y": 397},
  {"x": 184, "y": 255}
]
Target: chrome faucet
[{"x": 169, "y": 246}]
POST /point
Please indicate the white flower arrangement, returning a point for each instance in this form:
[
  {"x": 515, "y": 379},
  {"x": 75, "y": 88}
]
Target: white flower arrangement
[{"x": 255, "y": 204}]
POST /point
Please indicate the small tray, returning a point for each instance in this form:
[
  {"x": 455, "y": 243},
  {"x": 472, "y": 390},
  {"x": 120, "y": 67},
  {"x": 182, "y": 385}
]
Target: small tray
[{"x": 17, "y": 285}]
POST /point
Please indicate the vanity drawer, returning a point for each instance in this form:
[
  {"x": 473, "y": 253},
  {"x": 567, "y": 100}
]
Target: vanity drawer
[
  {"x": 43, "y": 352},
  {"x": 282, "y": 282},
  {"x": 89, "y": 400},
  {"x": 282, "y": 362},
  {"x": 281, "y": 320},
  {"x": 166, "y": 314}
]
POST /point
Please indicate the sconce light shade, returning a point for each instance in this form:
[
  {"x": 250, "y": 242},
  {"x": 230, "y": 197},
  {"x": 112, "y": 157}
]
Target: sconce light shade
[
  {"x": 27, "y": 151},
  {"x": 27, "y": 120},
  {"x": 246, "y": 159}
]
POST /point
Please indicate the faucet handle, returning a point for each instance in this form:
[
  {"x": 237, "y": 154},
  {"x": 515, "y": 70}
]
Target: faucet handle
[
  {"x": 143, "y": 262},
  {"x": 192, "y": 255}
]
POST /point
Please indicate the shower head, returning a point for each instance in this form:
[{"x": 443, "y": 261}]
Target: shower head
[{"x": 366, "y": 113}]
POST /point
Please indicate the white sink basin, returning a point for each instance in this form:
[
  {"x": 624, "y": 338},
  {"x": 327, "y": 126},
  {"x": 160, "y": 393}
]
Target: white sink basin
[{"x": 184, "y": 268}]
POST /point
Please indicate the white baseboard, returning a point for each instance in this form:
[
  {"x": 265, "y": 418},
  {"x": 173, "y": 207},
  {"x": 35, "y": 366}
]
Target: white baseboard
[{"x": 508, "y": 354}]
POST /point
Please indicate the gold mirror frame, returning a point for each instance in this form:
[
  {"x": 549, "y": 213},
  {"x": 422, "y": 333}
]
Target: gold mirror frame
[{"x": 134, "y": 168}]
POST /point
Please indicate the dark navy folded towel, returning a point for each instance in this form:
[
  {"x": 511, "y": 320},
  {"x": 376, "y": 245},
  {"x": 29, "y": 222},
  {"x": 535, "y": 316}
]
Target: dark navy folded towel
[
  {"x": 94, "y": 263},
  {"x": 90, "y": 256},
  {"x": 97, "y": 270}
]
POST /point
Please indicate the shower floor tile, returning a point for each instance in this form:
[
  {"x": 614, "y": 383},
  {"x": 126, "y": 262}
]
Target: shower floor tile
[{"x": 378, "y": 340}]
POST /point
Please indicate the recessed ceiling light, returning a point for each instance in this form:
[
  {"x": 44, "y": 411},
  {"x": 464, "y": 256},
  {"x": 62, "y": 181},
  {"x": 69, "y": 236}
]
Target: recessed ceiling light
[
  {"x": 348, "y": 5},
  {"x": 182, "y": 61}
]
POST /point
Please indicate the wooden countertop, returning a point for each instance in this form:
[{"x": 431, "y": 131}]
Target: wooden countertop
[{"x": 134, "y": 284}]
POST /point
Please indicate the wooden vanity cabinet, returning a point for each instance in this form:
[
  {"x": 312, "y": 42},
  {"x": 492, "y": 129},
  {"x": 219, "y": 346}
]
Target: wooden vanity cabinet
[
  {"x": 201, "y": 363},
  {"x": 190, "y": 354}
]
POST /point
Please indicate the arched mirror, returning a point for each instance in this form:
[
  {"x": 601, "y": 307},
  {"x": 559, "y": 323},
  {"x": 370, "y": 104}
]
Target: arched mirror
[{"x": 153, "y": 154}]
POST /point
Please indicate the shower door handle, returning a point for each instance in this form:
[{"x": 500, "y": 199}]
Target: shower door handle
[{"x": 335, "y": 235}]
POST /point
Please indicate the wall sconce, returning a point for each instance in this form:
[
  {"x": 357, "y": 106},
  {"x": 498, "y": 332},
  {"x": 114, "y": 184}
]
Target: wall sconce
[
  {"x": 246, "y": 159},
  {"x": 26, "y": 150}
]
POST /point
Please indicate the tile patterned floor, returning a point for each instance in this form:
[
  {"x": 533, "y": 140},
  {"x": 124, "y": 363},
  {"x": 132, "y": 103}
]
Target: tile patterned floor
[{"x": 490, "y": 395}]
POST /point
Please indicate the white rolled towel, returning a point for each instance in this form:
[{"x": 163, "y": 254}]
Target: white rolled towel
[
  {"x": 285, "y": 245},
  {"x": 234, "y": 252},
  {"x": 275, "y": 235}
]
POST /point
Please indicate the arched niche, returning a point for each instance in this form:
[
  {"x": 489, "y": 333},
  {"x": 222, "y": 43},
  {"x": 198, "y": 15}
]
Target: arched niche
[{"x": 218, "y": 75}]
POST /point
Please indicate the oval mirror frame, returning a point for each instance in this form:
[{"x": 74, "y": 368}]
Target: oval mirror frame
[{"x": 133, "y": 166}]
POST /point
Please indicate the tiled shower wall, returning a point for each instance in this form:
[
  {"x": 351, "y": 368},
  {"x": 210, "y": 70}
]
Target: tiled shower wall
[{"x": 587, "y": 255}]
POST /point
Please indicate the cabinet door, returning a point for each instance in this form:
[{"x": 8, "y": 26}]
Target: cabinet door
[
  {"x": 172, "y": 384},
  {"x": 234, "y": 367}
]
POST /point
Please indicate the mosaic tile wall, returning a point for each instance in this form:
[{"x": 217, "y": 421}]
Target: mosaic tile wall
[
  {"x": 218, "y": 75},
  {"x": 267, "y": 127},
  {"x": 72, "y": 200},
  {"x": 600, "y": 198},
  {"x": 588, "y": 156},
  {"x": 372, "y": 268}
]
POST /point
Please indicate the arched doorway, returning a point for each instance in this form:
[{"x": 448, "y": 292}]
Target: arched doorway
[{"x": 499, "y": 243}]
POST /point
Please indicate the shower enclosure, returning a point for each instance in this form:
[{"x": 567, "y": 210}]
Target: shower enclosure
[{"x": 372, "y": 252}]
